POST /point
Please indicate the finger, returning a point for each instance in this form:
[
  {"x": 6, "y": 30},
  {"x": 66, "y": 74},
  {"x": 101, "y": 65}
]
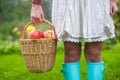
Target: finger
[
  {"x": 40, "y": 20},
  {"x": 114, "y": 10},
  {"x": 42, "y": 16},
  {"x": 36, "y": 20},
  {"x": 111, "y": 11},
  {"x": 32, "y": 20}
]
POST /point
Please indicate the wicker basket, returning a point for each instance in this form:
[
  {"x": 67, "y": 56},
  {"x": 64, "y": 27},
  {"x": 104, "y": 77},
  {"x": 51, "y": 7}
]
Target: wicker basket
[{"x": 39, "y": 55}]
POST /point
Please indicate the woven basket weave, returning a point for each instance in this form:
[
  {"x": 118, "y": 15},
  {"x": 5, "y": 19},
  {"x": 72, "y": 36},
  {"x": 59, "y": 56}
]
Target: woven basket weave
[{"x": 39, "y": 54}]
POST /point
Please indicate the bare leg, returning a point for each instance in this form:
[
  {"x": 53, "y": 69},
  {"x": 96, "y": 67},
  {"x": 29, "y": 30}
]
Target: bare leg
[
  {"x": 93, "y": 51},
  {"x": 72, "y": 52}
]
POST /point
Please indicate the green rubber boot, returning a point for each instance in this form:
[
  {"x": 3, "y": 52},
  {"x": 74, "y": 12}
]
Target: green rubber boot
[
  {"x": 95, "y": 70},
  {"x": 71, "y": 71}
]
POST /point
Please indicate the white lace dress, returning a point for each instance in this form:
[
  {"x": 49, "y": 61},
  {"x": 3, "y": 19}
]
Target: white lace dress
[{"x": 82, "y": 20}]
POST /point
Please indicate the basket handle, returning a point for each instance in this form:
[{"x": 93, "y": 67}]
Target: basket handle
[{"x": 44, "y": 21}]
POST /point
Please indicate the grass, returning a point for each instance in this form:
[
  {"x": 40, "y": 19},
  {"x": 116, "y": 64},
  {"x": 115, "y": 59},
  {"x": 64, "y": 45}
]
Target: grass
[{"x": 12, "y": 67}]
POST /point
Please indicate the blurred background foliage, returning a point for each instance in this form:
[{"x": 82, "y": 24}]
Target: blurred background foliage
[{"x": 117, "y": 22}]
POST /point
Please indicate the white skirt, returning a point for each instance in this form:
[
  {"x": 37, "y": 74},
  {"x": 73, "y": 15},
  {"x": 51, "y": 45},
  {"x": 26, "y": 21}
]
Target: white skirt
[{"x": 82, "y": 20}]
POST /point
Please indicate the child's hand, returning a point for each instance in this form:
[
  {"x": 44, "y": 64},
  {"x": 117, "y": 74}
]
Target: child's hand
[
  {"x": 37, "y": 14},
  {"x": 113, "y": 7}
]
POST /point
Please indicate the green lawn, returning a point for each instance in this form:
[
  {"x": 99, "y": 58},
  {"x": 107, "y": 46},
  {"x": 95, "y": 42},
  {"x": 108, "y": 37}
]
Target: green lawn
[{"x": 12, "y": 67}]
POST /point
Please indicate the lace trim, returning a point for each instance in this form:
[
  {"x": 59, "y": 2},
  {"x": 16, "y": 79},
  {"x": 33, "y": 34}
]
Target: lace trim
[{"x": 88, "y": 40}]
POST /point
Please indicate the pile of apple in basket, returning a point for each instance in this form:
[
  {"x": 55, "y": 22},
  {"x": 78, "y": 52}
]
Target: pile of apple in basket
[
  {"x": 37, "y": 34},
  {"x": 39, "y": 50}
]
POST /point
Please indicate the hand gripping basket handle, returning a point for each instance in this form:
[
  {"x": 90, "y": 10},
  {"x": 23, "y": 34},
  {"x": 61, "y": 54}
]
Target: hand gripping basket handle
[{"x": 44, "y": 21}]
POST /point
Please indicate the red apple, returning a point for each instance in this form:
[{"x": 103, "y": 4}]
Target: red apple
[
  {"x": 35, "y": 34},
  {"x": 48, "y": 34}
]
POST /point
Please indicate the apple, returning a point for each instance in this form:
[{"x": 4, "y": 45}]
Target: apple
[
  {"x": 48, "y": 34},
  {"x": 35, "y": 34}
]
